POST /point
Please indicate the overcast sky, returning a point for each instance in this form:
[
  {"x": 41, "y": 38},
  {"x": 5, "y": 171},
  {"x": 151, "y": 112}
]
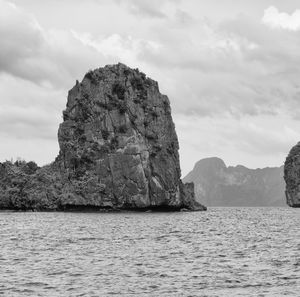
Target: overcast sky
[{"x": 231, "y": 69}]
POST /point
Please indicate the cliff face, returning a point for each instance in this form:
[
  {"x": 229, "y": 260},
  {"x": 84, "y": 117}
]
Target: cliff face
[
  {"x": 292, "y": 176},
  {"x": 218, "y": 185},
  {"x": 118, "y": 146}
]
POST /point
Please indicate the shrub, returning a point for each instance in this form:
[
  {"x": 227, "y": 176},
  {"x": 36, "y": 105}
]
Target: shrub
[
  {"x": 137, "y": 83},
  {"x": 148, "y": 81},
  {"x": 74, "y": 163},
  {"x": 144, "y": 94},
  {"x": 104, "y": 149},
  {"x": 118, "y": 90},
  {"x": 89, "y": 74},
  {"x": 79, "y": 131},
  {"x": 171, "y": 147},
  {"x": 82, "y": 139},
  {"x": 122, "y": 129},
  {"x": 86, "y": 159},
  {"x": 154, "y": 113},
  {"x": 102, "y": 104},
  {"x": 167, "y": 107},
  {"x": 105, "y": 134},
  {"x": 126, "y": 72},
  {"x": 151, "y": 136},
  {"x": 143, "y": 75},
  {"x": 144, "y": 106},
  {"x": 157, "y": 147},
  {"x": 31, "y": 167},
  {"x": 92, "y": 77},
  {"x": 153, "y": 154},
  {"x": 114, "y": 143},
  {"x": 122, "y": 108},
  {"x": 85, "y": 112},
  {"x": 20, "y": 162}
]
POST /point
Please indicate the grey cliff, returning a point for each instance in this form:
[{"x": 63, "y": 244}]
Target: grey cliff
[
  {"x": 118, "y": 150},
  {"x": 292, "y": 176}
]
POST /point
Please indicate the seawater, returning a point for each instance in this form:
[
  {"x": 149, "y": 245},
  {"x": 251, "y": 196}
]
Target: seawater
[{"x": 221, "y": 252}]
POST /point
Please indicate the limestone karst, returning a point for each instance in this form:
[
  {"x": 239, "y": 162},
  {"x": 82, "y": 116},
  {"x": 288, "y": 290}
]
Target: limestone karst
[
  {"x": 292, "y": 176},
  {"x": 118, "y": 150}
]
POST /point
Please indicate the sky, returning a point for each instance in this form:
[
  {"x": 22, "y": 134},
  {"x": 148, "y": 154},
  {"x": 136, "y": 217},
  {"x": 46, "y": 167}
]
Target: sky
[{"x": 230, "y": 68}]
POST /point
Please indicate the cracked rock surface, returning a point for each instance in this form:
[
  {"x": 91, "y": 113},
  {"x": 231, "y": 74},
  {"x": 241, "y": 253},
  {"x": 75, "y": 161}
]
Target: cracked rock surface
[{"x": 118, "y": 147}]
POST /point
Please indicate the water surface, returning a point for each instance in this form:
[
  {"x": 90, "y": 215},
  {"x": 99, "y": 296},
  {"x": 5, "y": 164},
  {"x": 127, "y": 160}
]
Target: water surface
[{"x": 221, "y": 252}]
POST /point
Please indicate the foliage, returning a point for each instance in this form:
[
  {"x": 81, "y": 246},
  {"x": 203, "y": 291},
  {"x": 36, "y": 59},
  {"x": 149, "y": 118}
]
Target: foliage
[
  {"x": 137, "y": 83},
  {"x": 118, "y": 90},
  {"x": 123, "y": 128},
  {"x": 122, "y": 108},
  {"x": 92, "y": 77},
  {"x": 114, "y": 143},
  {"x": 105, "y": 134},
  {"x": 30, "y": 168}
]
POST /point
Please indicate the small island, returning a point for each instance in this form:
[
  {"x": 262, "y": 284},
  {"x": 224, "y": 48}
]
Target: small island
[
  {"x": 118, "y": 151},
  {"x": 292, "y": 176}
]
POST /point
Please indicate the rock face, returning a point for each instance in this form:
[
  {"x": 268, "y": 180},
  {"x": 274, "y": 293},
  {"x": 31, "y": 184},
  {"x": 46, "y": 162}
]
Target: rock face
[
  {"x": 218, "y": 185},
  {"x": 118, "y": 147},
  {"x": 292, "y": 176}
]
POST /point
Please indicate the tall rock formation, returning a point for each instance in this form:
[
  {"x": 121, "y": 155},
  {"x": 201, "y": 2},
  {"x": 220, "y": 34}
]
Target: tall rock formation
[
  {"x": 218, "y": 185},
  {"x": 292, "y": 176},
  {"x": 118, "y": 147}
]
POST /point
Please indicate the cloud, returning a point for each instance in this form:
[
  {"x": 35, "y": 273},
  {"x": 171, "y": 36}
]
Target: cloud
[
  {"x": 29, "y": 110},
  {"x": 42, "y": 56},
  {"x": 282, "y": 20},
  {"x": 194, "y": 52},
  {"x": 144, "y": 8},
  {"x": 252, "y": 141},
  {"x": 29, "y": 118},
  {"x": 157, "y": 9},
  {"x": 21, "y": 37},
  {"x": 230, "y": 83},
  {"x": 236, "y": 68},
  {"x": 116, "y": 47}
]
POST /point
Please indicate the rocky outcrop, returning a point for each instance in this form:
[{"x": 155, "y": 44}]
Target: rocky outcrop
[
  {"x": 29, "y": 189},
  {"x": 292, "y": 176},
  {"x": 219, "y": 185},
  {"x": 118, "y": 148}
]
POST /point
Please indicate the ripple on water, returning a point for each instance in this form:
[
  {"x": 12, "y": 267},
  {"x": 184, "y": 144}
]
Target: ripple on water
[{"x": 221, "y": 252}]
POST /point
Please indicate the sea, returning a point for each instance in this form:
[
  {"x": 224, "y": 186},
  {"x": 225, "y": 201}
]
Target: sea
[{"x": 221, "y": 252}]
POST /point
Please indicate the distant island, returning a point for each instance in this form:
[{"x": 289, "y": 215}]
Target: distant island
[
  {"x": 219, "y": 185},
  {"x": 292, "y": 176},
  {"x": 118, "y": 151}
]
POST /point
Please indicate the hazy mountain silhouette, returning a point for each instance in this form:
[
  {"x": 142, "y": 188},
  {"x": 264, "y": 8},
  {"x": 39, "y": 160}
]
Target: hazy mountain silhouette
[{"x": 218, "y": 185}]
